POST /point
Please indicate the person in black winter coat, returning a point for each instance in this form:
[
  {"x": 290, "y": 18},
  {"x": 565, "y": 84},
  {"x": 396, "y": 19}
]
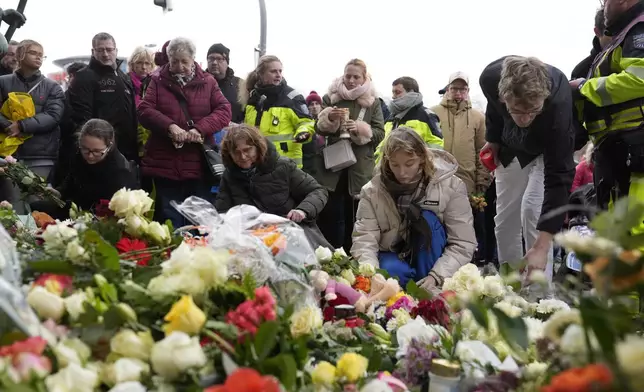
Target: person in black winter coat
[
  {"x": 97, "y": 172},
  {"x": 102, "y": 90},
  {"x": 257, "y": 175},
  {"x": 218, "y": 66},
  {"x": 39, "y": 151}
]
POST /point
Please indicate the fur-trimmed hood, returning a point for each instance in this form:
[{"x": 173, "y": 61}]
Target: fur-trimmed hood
[{"x": 365, "y": 100}]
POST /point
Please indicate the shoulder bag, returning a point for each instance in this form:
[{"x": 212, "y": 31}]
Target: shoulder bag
[{"x": 339, "y": 155}]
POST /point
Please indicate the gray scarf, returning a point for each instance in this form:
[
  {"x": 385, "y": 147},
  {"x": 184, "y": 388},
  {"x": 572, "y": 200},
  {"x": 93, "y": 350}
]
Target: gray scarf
[
  {"x": 400, "y": 106},
  {"x": 184, "y": 79}
]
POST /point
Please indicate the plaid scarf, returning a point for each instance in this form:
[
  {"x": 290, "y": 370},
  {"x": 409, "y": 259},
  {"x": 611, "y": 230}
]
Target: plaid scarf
[
  {"x": 184, "y": 79},
  {"x": 407, "y": 198}
]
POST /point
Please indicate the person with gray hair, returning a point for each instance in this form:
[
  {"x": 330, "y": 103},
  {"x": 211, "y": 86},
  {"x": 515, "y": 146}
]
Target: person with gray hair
[
  {"x": 102, "y": 90},
  {"x": 183, "y": 108}
]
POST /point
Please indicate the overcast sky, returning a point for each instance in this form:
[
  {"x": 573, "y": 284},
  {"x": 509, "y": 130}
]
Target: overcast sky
[{"x": 425, "y": 39}]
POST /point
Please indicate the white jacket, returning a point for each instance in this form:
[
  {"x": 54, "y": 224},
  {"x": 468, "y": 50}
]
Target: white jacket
[{"x": 378, "y": 222}]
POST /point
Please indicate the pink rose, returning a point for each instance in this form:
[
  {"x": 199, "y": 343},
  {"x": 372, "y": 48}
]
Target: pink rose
[{"x": 31, "y": 366}]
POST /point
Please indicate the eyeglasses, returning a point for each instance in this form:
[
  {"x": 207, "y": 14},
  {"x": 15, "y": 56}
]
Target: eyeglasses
[
  {"x": 105, "y": 50},
  {"x": 94, "y": 153},
  {"x": 36, "y": 54}
]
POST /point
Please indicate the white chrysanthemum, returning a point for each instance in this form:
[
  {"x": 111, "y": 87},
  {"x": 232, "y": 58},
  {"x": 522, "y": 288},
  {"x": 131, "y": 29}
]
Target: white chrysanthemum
[
  {"x": 557, "y": 324},
  {"x": 534, "y": 327},
  {"x": 549, "y": 306},
  {"x": 534, "y": 370},
  {"x": 509, "y": 309},
  {"x": 630, "y": 355},
  {"x": 493, "y": 286}
]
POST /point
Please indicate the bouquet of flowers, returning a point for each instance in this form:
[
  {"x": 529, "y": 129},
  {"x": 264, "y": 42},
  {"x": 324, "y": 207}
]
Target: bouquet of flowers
[
  {"x": 478, "y": 201},
  {"x": 28, "y": 182}
]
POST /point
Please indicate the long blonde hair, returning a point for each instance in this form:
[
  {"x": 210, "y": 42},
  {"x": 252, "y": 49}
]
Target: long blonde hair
[
  {"x": 254, "y": 76},
  {"x": 407, "y": 140}
]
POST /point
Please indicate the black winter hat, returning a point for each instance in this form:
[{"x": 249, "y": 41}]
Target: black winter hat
[{"x": 221, "y": 49}]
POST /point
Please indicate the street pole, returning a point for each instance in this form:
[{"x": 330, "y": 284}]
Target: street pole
[{"x": 261, "y": 49}]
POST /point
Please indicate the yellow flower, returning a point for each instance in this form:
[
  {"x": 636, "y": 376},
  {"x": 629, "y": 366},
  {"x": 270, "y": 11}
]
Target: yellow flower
[
  {"x": 352, "y": 366},
  {"x": 395, "y": 298},
  {"x": 305, "y": 321},
  {"x": 323, "y": 374},
  {"x": 184, "y": 316}
]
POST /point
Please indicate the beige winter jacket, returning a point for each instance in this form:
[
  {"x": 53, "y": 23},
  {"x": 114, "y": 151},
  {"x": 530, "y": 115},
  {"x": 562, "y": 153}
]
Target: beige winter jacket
[
  {"x": 378, "y": 222},
  {"x": 464, "y": 135}
]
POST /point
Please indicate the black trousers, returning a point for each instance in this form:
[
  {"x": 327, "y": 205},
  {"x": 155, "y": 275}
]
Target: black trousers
[{"x": 339, "y": 215}]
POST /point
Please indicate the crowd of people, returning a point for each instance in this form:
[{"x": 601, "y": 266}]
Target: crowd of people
[{"x": 393, "y": 184}]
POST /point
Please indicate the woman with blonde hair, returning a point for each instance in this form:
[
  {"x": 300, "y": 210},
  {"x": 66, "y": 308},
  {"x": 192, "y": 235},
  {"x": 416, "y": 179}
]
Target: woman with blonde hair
[
  {"x": 257, "y": 175},
  {"x": 141, "y": 65},
  {"x": 276, "y": 109},
  {"x": 414, "y": 217},
  {"x": 352, "y": 113}
]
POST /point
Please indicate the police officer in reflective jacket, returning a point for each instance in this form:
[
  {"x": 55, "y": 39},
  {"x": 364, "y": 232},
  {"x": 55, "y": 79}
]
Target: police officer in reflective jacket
[{"x": 613, "y": 103}]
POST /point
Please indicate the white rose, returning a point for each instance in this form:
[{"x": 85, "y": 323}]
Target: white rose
[
  {"x": 128, "y": 343},
  {"x": 175, "y": 354},
  {"x": 340, "y": 253},
  {"x": 76, "y": 253},
  {"x": 509, "y": 309},
  {"x": 366, "y": 269},
  {"x": 573, "y": 342},
  {"x": 534, "y": 370},
  {"x": 211, "y": 265},
  {"x": 348, "y": 276},
  {"x": 72, "y": 378},
  {"x": 493, "y": 286},
  {"x": 376, "y": 386},
  {"x": 46, "y": 304},
  {"x": 158, "y": 233},
  {"x": 134, "y": 224},
  {"x": 127, "y": 202},
  {"x": 188, "y": 282},
  {"x": 323, "y": 254},
  {"x": 56, "y": 236},
  {"x": 71, "y": 351},
  {"x": 75, "y": 304},
  {"x": 630, "y": 355},
  {"x": 125, "y": 369},
  {"x": 339, "y": 279},
  {"x": 130, "y": 386}
]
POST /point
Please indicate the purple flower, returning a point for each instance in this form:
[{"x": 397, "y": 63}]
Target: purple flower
[
  {"x": 413, "y": 368},
  {"x": 403, "y": 302}
]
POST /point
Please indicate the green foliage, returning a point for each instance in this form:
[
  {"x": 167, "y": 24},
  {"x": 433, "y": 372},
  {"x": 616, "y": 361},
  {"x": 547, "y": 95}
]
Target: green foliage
[
  {"x": 106, "y": 255},
  {"x": 416, "y": 292}
]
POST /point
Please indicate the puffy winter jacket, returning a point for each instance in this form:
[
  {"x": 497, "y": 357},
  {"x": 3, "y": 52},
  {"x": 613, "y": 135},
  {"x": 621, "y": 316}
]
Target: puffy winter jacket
[
  {"x": 276, "y": 186},
  {"x": 378, "y": 222},
  {"x": 49, "y": 101},
  {"x": 160, "y": 108}
]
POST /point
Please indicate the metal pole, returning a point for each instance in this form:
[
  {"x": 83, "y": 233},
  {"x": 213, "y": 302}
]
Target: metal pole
[{"x": 261, "y": 49}]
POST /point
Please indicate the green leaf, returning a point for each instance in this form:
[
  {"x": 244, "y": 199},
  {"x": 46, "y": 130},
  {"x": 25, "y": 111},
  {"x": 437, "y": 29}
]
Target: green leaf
[
  {"x": 416, "y": 292},
  {"x": 143, "y": 275},
  {"x": 284, "y": 368},
  {"x": 375, "y": 360},
  {"x": 480, "y": 314},
  {"x": 593, "y": 315},
  {"x": 229, "y": 331},
  {"x": 89, "y": 316},
  {"x": 249, "y": 284},
  {"x": 109, "y": 255},
  {"x": 266, "y": 339},
  {"x": 52, "y": 266},
  {"x": 513, "y": 330},
  {"x": 112, "y": 318}
]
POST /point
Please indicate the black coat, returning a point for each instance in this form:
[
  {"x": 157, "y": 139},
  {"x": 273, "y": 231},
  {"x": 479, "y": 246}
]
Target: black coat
[
  {"x": 551, "y": 134},
  {"x": 275, "y": 186},
  {"x": 99, "y": 91},
  {"x": 49, "y": 102},
  {"x": 87, "y": 184},
  {"x": 229, "y": 86}
]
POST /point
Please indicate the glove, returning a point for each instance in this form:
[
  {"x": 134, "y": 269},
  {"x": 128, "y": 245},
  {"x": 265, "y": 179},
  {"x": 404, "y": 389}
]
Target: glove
[
  {"x": 13, "y": 17},
  {"x": 428, "y": 284}
]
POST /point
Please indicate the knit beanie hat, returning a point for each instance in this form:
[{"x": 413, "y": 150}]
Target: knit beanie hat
[
  {"x": 161, "y": 58},
  {"x": 220, "y": 49},
  {"x": 313, "y": 97}
]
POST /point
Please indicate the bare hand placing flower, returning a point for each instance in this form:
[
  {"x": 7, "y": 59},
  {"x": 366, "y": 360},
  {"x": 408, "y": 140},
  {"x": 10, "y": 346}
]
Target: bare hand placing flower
[{"x": 296, "y": 215}]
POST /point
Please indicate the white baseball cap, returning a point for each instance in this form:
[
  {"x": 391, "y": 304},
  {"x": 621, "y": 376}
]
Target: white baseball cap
[{"x": 459, "y": 75}]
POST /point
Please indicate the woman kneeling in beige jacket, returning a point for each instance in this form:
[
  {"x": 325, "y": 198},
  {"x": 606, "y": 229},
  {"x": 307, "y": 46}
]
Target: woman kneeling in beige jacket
[{"x": 414, "y": 218}]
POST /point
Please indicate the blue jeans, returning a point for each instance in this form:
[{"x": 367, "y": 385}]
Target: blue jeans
[
  {"x": 424, "y": 261},
  {"x": 169, "y": 190}
]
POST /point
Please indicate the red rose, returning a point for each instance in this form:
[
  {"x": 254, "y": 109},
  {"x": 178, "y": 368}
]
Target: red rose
[
  {"x": 127, "y": 245},
  {"x": 102, "y": 209},
  {"x": 434, "y": 311}
]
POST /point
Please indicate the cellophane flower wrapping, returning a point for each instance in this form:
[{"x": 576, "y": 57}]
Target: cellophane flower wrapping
[
  {"x": 9, "y": 261},
  {"x": 273, "y": 249}
]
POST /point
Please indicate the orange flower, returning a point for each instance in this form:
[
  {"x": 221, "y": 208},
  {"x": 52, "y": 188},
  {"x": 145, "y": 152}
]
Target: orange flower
[
  {"x": 362, "y": 283},
  {"x": 247, "y": 380},
  {"x": 42, "y": 219},
  {"x": 584, "y": 379}
]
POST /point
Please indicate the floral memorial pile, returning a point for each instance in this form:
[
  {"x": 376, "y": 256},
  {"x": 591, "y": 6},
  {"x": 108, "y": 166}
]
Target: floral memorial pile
[{"x": 114, "y": 301}]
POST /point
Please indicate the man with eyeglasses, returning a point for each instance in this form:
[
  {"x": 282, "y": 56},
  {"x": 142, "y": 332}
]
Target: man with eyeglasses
[
  {"x": 218, "y": 60},
  {"x": 102, "y": 90},
  {"x": 530, "y": 133}
]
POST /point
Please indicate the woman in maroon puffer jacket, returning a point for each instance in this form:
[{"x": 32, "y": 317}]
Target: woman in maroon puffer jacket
[{"x": 173, "y": 156}]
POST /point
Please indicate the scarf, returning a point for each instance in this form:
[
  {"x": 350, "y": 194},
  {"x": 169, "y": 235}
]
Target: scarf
[
  {"x": 407, "y": 198},
  {"x": 136, "y": 83},
  {"x": 351, "y": 95},
  {"x": 184, "y": 79},
  {"x": 400, "y": 106}
]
